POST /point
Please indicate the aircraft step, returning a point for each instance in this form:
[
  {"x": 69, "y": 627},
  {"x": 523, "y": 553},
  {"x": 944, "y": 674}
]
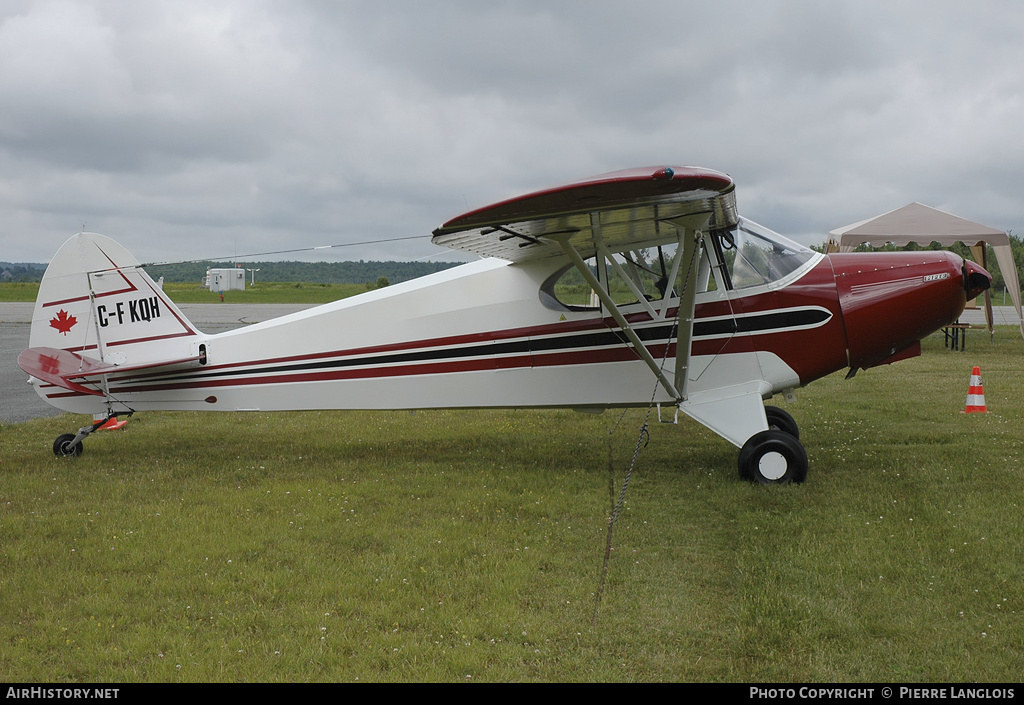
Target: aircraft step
[{"x": 673, "y": 420}]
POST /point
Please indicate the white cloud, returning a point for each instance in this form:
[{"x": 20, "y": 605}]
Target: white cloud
[{"x": 183, "y": 128}]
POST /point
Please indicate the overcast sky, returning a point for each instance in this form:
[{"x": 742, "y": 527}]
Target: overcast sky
[{"x": 201, "y": 129}]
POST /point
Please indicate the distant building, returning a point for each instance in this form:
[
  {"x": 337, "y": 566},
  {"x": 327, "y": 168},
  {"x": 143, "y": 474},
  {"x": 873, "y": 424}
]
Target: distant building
[{"x": 225, "y": 279}]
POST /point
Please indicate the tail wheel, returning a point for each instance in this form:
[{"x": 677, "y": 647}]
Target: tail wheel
[
  {"x": 773, "y": 457},
  {"x": 63, "y": 447}
]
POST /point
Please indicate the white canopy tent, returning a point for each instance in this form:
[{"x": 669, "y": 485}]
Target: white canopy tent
[{"x": 923, "y": 225}]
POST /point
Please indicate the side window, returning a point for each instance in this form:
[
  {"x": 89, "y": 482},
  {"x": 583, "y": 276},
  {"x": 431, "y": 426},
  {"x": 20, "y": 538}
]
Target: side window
[
  {"x": 567, "y": 290},
  {"x": 647, "y": 272}
]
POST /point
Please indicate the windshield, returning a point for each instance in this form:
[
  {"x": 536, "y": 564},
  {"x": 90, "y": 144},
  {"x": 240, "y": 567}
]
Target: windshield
[{"x": 754, "y": 255}]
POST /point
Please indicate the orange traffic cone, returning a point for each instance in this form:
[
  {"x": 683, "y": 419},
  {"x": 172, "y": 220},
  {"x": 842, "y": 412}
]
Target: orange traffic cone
[{"x": 976, "y": 394}]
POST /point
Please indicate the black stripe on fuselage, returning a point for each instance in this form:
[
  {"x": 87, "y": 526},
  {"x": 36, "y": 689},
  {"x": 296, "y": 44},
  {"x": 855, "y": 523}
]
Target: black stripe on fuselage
[{"x": 766, "y": 322}]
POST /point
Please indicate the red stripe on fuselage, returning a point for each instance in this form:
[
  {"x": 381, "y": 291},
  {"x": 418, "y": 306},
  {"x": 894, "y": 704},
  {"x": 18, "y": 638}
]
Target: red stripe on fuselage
[{"x": 811, "y": 353}]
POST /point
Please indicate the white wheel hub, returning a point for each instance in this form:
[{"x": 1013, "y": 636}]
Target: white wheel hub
[{"x": 772, "y": 465}]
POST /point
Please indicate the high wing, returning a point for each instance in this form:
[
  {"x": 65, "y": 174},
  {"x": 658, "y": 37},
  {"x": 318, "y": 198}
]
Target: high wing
[
  {"x": 606, "y": 215},
  {"x": 632, "y": 209}
]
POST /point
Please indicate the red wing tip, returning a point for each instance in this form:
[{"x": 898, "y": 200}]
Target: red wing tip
[{"x": 699, "y": 176}]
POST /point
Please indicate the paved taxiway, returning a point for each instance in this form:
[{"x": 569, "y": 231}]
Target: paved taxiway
[{"x": 21, "y": 403}]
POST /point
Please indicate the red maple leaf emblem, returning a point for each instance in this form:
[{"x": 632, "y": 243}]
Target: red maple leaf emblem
[{"x": 63, "y": 322}]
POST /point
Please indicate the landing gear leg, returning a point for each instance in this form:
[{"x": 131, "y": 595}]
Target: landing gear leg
[
  {"x": 773, "y": 457},
  {"x": 69, "y": 445}
]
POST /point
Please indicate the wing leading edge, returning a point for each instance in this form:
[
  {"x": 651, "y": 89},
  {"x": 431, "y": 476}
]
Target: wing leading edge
[{"x": 630, "y": 208}]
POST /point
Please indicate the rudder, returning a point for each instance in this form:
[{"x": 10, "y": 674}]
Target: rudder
[{"x": 96, "y": 301}]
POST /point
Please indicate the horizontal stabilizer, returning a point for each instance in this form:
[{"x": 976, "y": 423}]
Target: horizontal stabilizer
[{"x": 62, "y": 367}]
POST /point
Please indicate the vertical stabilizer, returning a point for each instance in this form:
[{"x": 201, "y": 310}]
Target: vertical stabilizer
[{"x": 96, "y": 300}]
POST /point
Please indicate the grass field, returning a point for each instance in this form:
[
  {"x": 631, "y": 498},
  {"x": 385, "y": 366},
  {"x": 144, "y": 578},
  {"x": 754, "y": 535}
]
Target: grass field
[
  {"x": 262, "y": 293},
  {"x": 468, "y": 545},
  {"x": 265, "y": 293},
  {"x": 18, "y": 291}
]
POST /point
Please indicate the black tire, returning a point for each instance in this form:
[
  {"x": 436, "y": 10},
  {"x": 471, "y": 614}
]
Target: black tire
[
  {"x": 781, "y": 420},
  {"x": 62, "y": 447},
  {"x": 773, "y": 457}
]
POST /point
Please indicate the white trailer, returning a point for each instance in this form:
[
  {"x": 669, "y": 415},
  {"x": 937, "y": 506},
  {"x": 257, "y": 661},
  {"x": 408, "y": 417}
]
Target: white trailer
[{"x": 225, "y": 279}]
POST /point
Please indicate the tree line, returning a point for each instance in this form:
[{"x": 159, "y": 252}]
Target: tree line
[
  {"x": 307, "y": 272},
  {"x": 21, "y": 271},
  {"x": 362, "y": 271}
]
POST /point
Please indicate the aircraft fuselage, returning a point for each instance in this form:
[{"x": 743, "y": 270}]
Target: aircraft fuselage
[{"x": 479, "y": 335}]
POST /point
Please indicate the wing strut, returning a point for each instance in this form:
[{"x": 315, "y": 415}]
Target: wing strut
[
  {"x": 689, "y": 228},
  {"x": 688, "y": 251}
]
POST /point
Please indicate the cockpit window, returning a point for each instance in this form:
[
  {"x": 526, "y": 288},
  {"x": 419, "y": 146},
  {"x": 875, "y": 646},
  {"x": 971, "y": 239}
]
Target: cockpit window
[
  {"x": 744, "y": 256},
  {"x": 755, "y": 256}
]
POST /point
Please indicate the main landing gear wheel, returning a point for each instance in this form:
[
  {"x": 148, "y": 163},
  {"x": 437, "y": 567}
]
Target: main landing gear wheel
[
  {"x": 781, "y": 420},
  {"x": 65, "y": 446},
  {"x": 773, "y": 457}
]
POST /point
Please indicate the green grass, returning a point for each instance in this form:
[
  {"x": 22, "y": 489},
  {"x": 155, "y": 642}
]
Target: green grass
[
  {"x": 467, "y": 545},
  {"x": 18, "y": 291},
  {"x": 262, "y": 293},
  {"x": 265, "y": 293}
]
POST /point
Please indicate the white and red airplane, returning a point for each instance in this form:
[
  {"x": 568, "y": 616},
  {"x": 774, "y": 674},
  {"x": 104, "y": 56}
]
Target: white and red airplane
[{"x": 633, "y": 288}]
